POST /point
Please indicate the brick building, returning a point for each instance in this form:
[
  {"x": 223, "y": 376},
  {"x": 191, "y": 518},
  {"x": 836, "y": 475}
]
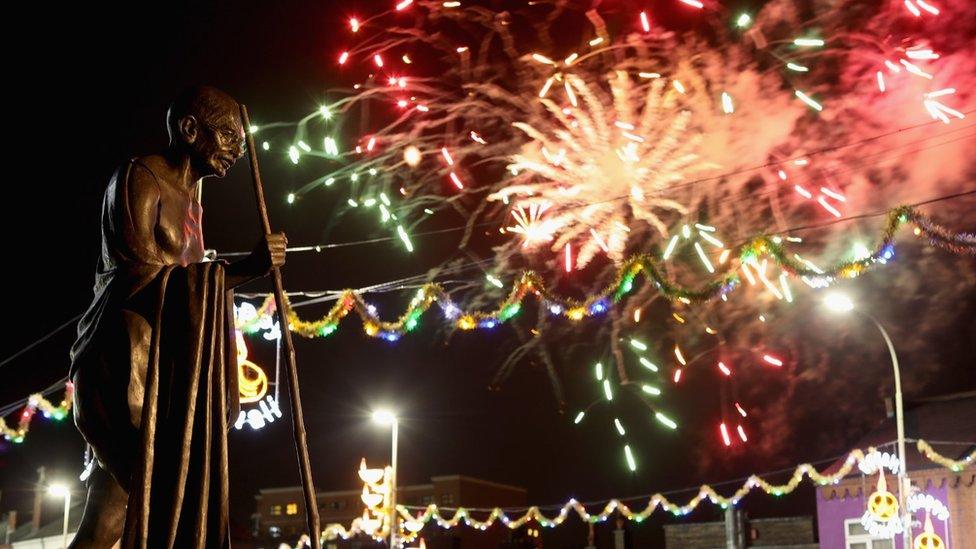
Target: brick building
[
  {"x": 770, "y": 533},
  {"x": 279, "y": 517},
  {"x": 949, "y": 423}
]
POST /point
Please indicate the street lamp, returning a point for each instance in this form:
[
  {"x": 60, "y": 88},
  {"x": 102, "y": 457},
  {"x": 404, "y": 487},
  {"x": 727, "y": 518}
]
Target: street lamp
[
  {"x": 62, "y": 491},
  {"x": 388, "y": 418},
  {"x": 838, "y": 302}
]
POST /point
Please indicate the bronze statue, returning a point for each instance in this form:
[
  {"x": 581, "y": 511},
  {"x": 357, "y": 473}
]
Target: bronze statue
[{"x": 154, "y": 365}]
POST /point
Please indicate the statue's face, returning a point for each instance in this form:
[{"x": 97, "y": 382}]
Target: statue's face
[{"x": 216, "y": 143}]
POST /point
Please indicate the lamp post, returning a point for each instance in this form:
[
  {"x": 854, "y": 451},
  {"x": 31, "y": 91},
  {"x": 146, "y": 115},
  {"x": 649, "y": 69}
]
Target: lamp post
[
  {"x": 61, "y": 490},
  {"x": 839, "y": 302},
  {"x": 386, "y": 417}
]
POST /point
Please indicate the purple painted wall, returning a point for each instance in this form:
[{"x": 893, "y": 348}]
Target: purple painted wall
[{"x": 831, "y": 514}]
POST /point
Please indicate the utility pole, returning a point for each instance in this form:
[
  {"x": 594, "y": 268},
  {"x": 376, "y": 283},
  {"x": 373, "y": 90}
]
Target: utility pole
[{"x": 734, "y": 529}]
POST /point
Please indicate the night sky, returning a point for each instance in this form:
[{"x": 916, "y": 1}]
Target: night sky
[{"x": 91, "y": 91}]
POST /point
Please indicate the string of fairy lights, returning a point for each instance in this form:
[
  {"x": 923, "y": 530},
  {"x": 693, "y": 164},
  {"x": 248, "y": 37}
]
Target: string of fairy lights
[
  {"x": 771, "y": 248},
  {"x": 754, "y": 255},
  {"x": 412, "y": 523}
]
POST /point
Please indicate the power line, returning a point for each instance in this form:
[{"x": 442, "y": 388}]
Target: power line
[
  {"x": 678, "y": 186},
  {"x": 41, "y": 340}
]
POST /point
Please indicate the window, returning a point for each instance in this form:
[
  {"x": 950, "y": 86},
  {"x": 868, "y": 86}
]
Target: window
[
  {"x": 336, "y": 505},
  {"x": 447, "y": 499},
  {"x": 858, "y": 538},
  {"x": 427, "y": 499},
  {"x": 291, "y": 509},
  {"x": 275, "y": 510},
  {"x": 274, "y": 532}
]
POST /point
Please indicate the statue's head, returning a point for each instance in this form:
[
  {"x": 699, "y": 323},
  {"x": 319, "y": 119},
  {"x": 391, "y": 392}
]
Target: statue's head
[{"x": 205, "y": 124}]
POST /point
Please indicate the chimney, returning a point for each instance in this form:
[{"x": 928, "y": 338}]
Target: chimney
[
  {"x": 39, "y": 492},
  {"x": 889, "y": 407}
]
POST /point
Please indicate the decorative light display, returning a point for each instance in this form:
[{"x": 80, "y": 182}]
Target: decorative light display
[
  {"x": 921, "y": 501},
  {"x": 934, "y": 456},
  {"x": 48, "y": 409},
  {"x": 876, "y": 461},
  {"x": 377, "y": 491},
  {"x": 252, "y": 382},
  {"x": 881, "y": 517},
  {"x": 928, "y": 539},
  {"x": 432, "y": 513},
  {"x": 768, "y": 248}
]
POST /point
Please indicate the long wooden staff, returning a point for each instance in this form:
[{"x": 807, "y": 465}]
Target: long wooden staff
[{"x": 297, "y": 418}]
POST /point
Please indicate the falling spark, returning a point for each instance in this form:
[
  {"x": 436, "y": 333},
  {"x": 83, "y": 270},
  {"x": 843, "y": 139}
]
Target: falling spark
[
  {"x": 704, "y": 258},
  {"x": 405, "y": 238},
  {"x": 742, "y": 433},
  {"x": 741, "y": 410},
  {"x": 456, "y": 180},
  {"x": 679, "y": 356},
  {"x": 808, "y": 42},
  {"x": 651, "y": 390},
  {"x": 772, "y": 360},
  {"x": 648, "y": 364},
  {"x": 808, "y": 100},
  {"x": 727, "y": 107},
  {"x": 671, "y": 244},
  {"x": 619, "y": 426},
  {"x": 665, "y": 420},
  {"x": 725, "y": 369},
  {"x": 725, "y": 434},
  {"x": 927, "y": 7},
  {"x": 645, "y": 22},
  {"x": 694, "y": 3},
  {"x": 797, "y": 68},
  {"x": 606, "y": 389},
  {"x": 343, "y": 57},
  {"x": 447, "y": 156},
  {"x": 630, "y": 458},
  {"x": 823, "y": 202}
]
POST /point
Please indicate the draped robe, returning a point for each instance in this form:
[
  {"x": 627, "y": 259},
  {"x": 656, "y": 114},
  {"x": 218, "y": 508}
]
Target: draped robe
[{"x": 154, "y": 365}]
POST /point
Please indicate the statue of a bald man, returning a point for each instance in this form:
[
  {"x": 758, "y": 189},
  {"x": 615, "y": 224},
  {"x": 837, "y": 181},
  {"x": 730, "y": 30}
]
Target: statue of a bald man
[{"x": 154, "y": 365}]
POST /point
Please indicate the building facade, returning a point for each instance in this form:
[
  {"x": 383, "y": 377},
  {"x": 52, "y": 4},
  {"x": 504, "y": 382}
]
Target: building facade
[
  {"x": 770, "y": 533},
  {"x": 949, "y": 423},
  {"x": 279, "y": 517}
]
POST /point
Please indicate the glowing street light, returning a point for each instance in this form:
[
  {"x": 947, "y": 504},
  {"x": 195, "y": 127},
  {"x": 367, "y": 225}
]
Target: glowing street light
[
  {"x": 62, "y": 491},
  {"x": 839, "y": 302}
]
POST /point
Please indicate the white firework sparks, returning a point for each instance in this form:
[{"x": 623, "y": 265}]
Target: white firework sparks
[{"x": 602, "y": 166}]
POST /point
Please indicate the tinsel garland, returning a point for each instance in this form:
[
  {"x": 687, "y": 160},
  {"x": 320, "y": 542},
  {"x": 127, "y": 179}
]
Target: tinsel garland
[
  {"x": 414, "y": 523},
  {"x": 37, "y": 402},
  {"x": 755, "y": 249}
]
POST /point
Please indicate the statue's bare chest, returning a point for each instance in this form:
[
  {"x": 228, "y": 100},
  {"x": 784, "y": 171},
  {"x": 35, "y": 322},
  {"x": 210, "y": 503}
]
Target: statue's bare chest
[{"x": 179, "y": 228}]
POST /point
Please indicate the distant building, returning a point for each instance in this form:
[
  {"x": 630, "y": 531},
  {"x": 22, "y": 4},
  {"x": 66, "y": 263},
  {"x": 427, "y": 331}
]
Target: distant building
[
  {"x": 279, "y": 517},
  {"x": 770, "y": 533},
  {"x": 949, "y": 424}
]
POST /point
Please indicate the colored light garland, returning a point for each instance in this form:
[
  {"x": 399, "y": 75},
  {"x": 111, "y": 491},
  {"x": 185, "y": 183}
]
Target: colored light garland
[
  {"x": 956, "y": 465},
  {"x": 766, "y": 247},
  {"x": 37, "y": 402},
  {"x": 657, "y": 501}
]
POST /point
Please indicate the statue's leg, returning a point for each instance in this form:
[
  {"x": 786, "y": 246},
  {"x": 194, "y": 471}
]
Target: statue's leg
[{"x": 101, "y": 524}]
